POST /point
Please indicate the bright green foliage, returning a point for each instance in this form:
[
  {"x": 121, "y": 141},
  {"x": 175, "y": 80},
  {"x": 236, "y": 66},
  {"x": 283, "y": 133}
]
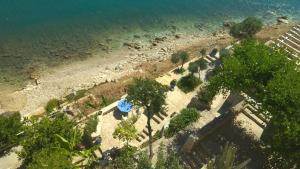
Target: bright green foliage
[
  {"x": 125, "y": 158},
  {"x": 51, "y": 105},
  {"x": 10, "y": 126},
  {"x": 43, "y": 133},
  {"x": 226, "y": 160},
  {"x": 246, "y": 29},
  {"x": 181, "y": 121},
  {"x": 51, "y": 159},
  {"x": 125, "y": 132},
  {"x": 188, "y": 83},
  {"x": 150, "y": 95},
  {"x": 144, "y": 162},
  {"x": 90, "y": 127},
  {"x": 271, "y": 79}
]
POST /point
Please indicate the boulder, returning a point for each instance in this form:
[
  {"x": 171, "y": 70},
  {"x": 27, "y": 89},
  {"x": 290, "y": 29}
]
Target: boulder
[{"x": 282, "y": 19}]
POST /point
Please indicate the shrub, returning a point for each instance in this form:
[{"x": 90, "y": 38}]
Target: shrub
[
  {"x": 206, "y": 96},
  {"x": 188, "y": 83},
  {"x": 51, "y": 105},
  {"x": 246, "y": 29},
  {"x": 125, "y": 158},
  {"x": 199, "y": 105},
  {"x": 91, "y": 126},
  {"x": 79, "y": 94},
  {"x": 10, "y": 126},
  {"x": 179, "y": 122}
]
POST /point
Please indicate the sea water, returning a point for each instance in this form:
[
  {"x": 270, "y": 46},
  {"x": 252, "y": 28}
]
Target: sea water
[{"x": 36, "y": 34}]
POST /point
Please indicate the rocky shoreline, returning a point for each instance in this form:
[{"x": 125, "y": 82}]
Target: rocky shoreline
[{"x": 65, "y": 79}]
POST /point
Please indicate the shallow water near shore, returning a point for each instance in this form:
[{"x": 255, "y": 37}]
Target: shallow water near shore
[{"x": 38, "y": 34}]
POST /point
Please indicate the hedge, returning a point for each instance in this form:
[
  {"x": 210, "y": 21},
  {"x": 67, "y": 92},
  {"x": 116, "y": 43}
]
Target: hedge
[{"x": 181, "y": 121}]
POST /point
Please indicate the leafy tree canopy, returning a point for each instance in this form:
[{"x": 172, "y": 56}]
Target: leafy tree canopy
[
  {"x": 51, "y": 159},
  {"x": 148, "y": 94},
  {"x": 267, "y": 75},
  {"x": 247, "y": 28},
  {"x": 125, "y": 131},
  {"x": 10, "y": 126},
  {"x": 43, "y": 133}
]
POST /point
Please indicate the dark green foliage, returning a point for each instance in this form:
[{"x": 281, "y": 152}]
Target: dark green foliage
[
  {"x": 226, "y": 159},
  {"x": 271, "y": 79},
  {"x": 51, "y": 159},
  {"x": 246, "y": 29},
  {"x": 150, "y": 95},
  {"x": 10, "y": 126},
  {"x": 203, "y": 52},
  {"x": 188, "y": 83},
  {"x": 43, "y": 134},
  {"x": 144, "y": 162},
  {"x": 91, "y": 126},
  {"x": 51, "y": 105},
  {"x": 184, "y": 57},
  {"x": 167, "y": 159},
  {"x": 206, "y": 95},
  {"x": 175, "y": 58},
  {"x": 125, "y": 158},
  {"x": 179, "y": 122},
  {"x": 193, "y": 67},
  {"x": 213, "y": 52}
]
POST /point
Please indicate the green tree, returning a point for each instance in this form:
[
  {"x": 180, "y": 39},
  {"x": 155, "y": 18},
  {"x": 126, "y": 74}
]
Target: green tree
[
  {"x": 150, "y": 95},
  {"x": 202, "y": 64},
  {"x": 267, "y": 76},
  {"x": 193, "y": 68},
  {"x": 184, "y": 57},
  {"x": 10, "y": 127},
  {"x": 175, "y": 58},
  {"x": 125, "y": 132},
  {"x": 42, "y": 133},
  {"x": 203, "y": 51},
  {"x": 226, "y": 159},
  {"x": 51, "y": 159},
  {"x": 247, "y": 28}
]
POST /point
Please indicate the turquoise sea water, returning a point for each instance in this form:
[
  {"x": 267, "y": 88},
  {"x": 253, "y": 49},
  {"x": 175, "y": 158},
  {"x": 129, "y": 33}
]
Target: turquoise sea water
[{"x": 43, "y": 33}]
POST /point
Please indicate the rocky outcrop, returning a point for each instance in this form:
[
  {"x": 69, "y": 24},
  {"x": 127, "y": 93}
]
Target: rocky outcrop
[{"x": 282, "y": 19}]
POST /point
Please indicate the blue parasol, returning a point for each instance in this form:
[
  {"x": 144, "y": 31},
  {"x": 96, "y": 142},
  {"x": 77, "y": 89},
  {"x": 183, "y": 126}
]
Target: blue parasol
[{"x": 124, "y": 106}]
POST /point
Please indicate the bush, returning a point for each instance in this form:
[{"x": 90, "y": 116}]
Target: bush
[
  {"x": 206, "y": 96},
  {"x": 188, "y": 83},
  {"x": 125, "y": 158},
  {"x": 199, "y": 105},
  {"x": 10, "y": 126},
  {"x": 246, "y": 29},
  {"x": 91, "y": 126},
  {"x": 179, "y": 122},
  {"x": 51, "y": 105},
  {"x": 79, "y": 94}
]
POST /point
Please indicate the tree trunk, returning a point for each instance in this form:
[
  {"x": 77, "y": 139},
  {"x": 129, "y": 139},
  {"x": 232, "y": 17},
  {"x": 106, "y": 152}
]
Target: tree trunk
[{"x": 150, "y": 134}]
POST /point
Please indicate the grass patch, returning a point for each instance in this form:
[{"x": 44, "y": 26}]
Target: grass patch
[
  {"x": 51, "y": 105},
  {"x": 188, "y": 83},
  {"x": 181, "y": 121}
]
